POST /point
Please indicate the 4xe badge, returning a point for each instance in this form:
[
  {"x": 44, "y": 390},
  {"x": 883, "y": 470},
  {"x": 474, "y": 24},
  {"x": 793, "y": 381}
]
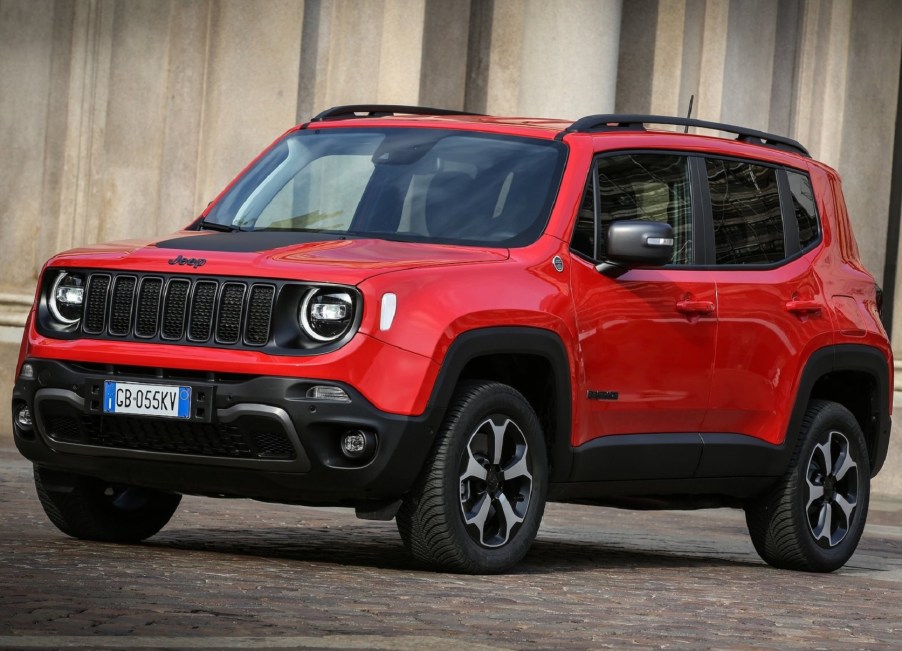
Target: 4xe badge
[
  {"x": 602, "y": 395},
  {"x": 190, "y": 262}
]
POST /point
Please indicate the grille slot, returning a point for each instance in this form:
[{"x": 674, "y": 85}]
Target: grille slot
[
  {"x": 177, "y": 309},
  {"x": 95, "y": 310},
  {"x": 148, "y": 318},
  {"x": 174, "y": 308},
  {"x": 231, "y": 303},
  {"x": 121, "y": 306},
  {"x": 202, "y": 307},
  {"x": 259, "y": 315}
]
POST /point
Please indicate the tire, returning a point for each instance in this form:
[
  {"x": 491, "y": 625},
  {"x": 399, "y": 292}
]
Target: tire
[
  {"x": 813, "y": 518},
  {"x": 477, "y": 505},
  {"x": 92, "y": 509}
]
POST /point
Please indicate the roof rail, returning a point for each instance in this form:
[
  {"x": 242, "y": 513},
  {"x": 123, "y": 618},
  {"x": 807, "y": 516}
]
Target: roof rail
[
  {"x": 613, "y": 122},
  {"x": 381, "y": 110}
]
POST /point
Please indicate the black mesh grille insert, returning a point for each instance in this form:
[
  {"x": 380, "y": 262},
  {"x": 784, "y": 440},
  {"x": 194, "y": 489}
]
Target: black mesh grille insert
[
  {"x": 95, "y": 310},
  {"x": 65, "y": 428},
  {"x": 228, "y": 323},
  {"x": 273, "y": 445},
  {"x": 121, "y": 306},
  {"x": 226, "y": 440},
  {"x": 148, "y": 318},
  {"x": 202, "y": 305},
  {"x": 259, "y": 314},
  {"x": 174, "y": 309}
]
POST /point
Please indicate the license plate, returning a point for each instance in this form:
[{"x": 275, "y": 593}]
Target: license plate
[{"x": 146, "y": 399}]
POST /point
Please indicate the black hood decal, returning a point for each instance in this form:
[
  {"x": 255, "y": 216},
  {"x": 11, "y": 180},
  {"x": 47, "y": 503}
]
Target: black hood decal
[{"x": 246, "y": 242}]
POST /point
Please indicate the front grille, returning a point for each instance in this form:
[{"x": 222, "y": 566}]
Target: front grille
[
  {"x": 178, "y": 309},
  {"x": 225, "y": 440}
]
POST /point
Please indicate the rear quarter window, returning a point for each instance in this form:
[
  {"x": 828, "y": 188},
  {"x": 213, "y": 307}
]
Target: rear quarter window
[{"x": 804, "y": 207}]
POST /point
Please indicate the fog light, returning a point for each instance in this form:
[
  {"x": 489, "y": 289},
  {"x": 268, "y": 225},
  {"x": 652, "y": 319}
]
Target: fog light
[
  {"x": 23, "y": 418},
  {"x": 332, "y": 394},
  {"x": 358, "y": 444},
  {"x": 27, "y": 372}
]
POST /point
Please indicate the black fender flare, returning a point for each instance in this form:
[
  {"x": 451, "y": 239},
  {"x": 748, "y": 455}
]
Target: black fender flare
[
  {"x": 519, "y": 340},
  {"x": 846, "y": 357}
]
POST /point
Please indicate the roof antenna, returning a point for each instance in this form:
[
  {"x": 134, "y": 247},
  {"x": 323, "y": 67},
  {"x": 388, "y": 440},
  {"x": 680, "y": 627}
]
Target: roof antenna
[{"x": 689, "y": 115}]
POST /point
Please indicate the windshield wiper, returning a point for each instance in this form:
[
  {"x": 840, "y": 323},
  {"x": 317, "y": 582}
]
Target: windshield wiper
[{"x": 222, "y": 228}]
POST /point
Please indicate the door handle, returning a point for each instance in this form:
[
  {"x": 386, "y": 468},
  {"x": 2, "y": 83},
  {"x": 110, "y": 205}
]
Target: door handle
[
  {"x": 803, "y": 308},
  {"x": 695, "y": 307}
]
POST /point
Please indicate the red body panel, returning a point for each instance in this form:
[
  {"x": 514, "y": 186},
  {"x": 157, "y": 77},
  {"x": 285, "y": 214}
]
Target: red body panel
[{"x": 632, "y": 340}]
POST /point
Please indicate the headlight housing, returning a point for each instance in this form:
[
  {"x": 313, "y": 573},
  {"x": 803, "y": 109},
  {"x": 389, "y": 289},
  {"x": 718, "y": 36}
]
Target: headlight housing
[
  {"x": 326, "y": 314},
  {"x": 67, "y": 297}
]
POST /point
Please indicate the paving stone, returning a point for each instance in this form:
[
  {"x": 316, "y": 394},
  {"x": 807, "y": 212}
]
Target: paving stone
[{"x": 240, "y": 574}]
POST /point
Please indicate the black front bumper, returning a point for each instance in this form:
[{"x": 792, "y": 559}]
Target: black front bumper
[{"x": 245, "y": 436}]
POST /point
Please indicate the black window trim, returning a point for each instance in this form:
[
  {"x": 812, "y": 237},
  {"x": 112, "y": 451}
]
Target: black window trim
[
  {"x": 790, "y": 221},
  {"x": 703, "y": 250}
]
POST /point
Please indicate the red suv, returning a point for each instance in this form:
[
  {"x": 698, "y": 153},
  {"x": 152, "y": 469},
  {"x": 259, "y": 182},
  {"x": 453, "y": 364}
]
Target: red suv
[{"x": 450, "y": 319}]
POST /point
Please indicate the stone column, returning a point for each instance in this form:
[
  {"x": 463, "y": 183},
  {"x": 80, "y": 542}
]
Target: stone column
[
  {"x": 569, "y": 58},
  {"x": 361, "y": 52},
  {"x": 250, "y": 88}
]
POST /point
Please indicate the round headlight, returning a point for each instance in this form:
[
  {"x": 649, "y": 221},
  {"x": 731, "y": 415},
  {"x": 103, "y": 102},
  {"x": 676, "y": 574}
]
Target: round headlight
[
  {"x": 67, "y": 297},
  {"x": 326, "y": 314}
]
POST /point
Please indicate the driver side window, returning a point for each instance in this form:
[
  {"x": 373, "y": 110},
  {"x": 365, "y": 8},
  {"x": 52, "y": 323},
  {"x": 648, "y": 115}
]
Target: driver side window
[{"x": 648, "y": 187}]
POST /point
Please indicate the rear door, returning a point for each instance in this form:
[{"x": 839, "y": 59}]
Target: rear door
[{"x": 771, "y": 307}]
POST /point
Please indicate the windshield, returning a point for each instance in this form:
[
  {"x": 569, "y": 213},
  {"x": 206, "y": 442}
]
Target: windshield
[{"x": 408, "y": 184}]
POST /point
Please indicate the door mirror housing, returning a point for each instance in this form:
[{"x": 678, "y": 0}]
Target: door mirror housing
[{"x": 635, "y": 243}]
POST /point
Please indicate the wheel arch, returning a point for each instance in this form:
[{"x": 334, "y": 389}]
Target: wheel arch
[
  {"x": 857, "y": 377},
  {"x": 533, "y": 361}
]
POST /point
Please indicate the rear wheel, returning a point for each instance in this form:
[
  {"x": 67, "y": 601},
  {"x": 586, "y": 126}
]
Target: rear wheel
[
  {"x": 478, "y": 504},
  {"x": 813, "y": 519},
  {"x": 92, "y": 509}
]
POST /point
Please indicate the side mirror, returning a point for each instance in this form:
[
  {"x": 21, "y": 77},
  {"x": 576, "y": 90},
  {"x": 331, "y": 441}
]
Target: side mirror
[{"x": 636, "y": 244}]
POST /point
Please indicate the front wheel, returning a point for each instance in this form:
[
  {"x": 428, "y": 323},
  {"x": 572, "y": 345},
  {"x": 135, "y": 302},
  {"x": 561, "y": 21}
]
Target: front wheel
[
  {"x": 92, "y": 509},
  {"x": 477, "y": 506},
  {"x": 813, "y": 519}
]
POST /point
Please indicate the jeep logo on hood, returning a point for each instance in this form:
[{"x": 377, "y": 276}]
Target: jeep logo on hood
[{"x": 191, "y": 262}]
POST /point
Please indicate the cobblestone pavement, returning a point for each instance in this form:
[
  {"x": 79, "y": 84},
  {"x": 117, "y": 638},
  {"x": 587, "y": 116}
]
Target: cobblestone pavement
[{"x": 240, "y": 574}]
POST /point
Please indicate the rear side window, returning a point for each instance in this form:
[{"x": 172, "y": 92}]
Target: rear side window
[
  {"x": 803, "y": 206},
  {"x": 745, "y": 206}
]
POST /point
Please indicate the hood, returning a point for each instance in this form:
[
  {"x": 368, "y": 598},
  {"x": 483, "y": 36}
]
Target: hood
[{"x": 273, "y": 254}]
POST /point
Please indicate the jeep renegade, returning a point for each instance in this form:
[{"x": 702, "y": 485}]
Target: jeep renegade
[{"x": 451, "y": 319}]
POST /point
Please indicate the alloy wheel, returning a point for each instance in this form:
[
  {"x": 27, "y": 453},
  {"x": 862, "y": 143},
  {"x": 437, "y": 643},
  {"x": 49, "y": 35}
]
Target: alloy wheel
[
  {"x": 495, "y": 481},
  {"x": 832, "y": 480}
]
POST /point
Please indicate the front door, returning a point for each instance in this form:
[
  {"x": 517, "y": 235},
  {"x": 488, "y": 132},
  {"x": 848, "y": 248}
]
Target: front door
[{"x": 646, "y": 339}]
